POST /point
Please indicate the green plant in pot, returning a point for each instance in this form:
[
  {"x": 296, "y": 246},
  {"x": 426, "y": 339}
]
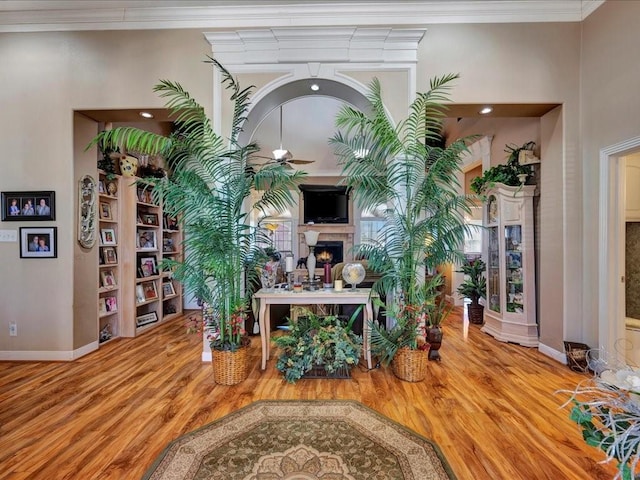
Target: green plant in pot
[
  {"x": 210, "y": 182},
  {"x": 511, "y": 173},
  {"x": 474, "y": 287},
  {"x": 392, "y": 169},
  {"x": 325, "y": 343}
]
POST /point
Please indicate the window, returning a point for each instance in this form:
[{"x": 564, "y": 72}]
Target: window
[
  {"x": 280, "y": 232},
  {"x": 371, "y": 222},
  {"x": 473, "y": 239}
]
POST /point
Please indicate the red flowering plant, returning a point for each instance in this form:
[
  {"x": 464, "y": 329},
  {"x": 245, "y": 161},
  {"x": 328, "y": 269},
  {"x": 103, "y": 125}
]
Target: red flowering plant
[
  {"x": 409, "y": 331},
  {"x": 229, "y": 334}
]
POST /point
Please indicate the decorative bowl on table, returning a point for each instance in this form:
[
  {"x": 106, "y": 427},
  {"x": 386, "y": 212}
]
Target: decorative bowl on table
[{"x": 353, "y": 274}]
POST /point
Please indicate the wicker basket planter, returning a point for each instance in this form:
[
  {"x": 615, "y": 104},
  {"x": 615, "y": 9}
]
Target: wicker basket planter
[
  {"x": 475, "y": 313},
  {"x": 410, "y": 365},
  {"x": 231, "y": 368}
]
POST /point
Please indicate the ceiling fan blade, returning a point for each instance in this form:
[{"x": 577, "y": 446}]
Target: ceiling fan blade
[{"x": 298, "y": 161}]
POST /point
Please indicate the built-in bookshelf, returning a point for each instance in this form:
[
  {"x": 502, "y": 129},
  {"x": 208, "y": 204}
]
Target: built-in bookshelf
[
  {"x": 147, "y": 299},
  {"x": 109, "y": 268}
]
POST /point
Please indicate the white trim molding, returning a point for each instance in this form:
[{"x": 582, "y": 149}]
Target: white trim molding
[
  {"x": 56, "y": 15},
  {"x": 611, "y": 315},
  {"x": 47, "y": 356}
]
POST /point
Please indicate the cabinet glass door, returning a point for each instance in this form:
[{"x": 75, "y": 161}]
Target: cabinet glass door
[
  {"x": 493, "y": 274},
  {"x": 513, "y": 268}
]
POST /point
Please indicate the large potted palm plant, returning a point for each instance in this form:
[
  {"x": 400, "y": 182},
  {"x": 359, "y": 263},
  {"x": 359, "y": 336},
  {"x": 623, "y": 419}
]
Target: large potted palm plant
[
  {"x": 210, "y": 182},
  {"x": 398, "y": 170}
]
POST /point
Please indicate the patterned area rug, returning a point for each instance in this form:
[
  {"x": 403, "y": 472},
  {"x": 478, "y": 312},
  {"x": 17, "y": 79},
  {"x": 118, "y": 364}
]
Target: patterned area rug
[{"x": 301, "y": 440}]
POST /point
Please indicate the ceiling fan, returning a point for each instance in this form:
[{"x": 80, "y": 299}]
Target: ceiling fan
[{"x": 282, "y": 155}]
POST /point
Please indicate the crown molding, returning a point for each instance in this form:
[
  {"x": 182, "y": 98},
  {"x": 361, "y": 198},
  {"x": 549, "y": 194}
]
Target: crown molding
[
  {"x": 316, "y": 44},
  {"x": 38, "y": 15}
]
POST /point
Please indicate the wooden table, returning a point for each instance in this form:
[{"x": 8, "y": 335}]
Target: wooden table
[{"x": 361, "y": 296}]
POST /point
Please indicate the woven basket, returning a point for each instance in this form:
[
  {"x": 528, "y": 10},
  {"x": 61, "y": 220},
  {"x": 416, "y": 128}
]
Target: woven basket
[
  {"x": 230, "y": 368},
  {"x": 410, "y": 365}
]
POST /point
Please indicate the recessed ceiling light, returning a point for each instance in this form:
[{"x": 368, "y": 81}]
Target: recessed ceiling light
[
  {"x": 315, "y": 87},
  {"x": 486, "y": 110},
  {"x": 146, "y": 115}
]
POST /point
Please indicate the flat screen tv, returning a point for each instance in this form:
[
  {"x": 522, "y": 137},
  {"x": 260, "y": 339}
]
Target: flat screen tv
[{"x": 325, "y": 204}]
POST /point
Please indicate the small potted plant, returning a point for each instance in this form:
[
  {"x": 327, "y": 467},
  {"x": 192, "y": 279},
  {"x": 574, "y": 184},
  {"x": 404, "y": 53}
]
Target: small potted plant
[
  {"x": 511, "y": 173},
  {"x": 318, "y": 346},
  {"x": 474, "y": 287}
]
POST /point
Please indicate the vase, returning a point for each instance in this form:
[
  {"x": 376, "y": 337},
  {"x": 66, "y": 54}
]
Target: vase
[
  {"x": 269, "y": 275},
  {"x": 231, "y": 367},
  {"x": 410, "y": 365},
  {"x": 434, "y": 338}
]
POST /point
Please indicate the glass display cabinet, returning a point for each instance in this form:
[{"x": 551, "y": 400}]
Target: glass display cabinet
[{"x": 510, "y": 254}]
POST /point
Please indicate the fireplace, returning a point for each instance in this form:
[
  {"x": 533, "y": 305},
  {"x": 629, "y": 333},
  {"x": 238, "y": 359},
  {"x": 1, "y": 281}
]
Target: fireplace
[{"x": 330, "y": 252}]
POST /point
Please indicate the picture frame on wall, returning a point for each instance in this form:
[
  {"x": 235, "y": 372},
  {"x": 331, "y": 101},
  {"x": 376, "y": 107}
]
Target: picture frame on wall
[
  {"x": 38, "y": 242},
  {"x": 28, "y": 206}
]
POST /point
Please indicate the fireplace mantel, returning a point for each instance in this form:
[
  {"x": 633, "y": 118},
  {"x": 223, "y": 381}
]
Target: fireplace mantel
[{"x": 328, "y": 232}]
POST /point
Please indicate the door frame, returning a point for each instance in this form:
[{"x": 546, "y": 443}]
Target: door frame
[{"x": 611, "y": 243}]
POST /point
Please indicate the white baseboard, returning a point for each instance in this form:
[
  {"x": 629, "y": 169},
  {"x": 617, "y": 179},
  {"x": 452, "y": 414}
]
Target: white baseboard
[
  {"x": 553, "y": 353},
  {"x": 206, "y": 357},
  {"x": 47, "y": 356}
]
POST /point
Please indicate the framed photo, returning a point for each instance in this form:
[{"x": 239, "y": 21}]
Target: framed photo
[
  {"x": 148, "y": 266},
  {"x": 144, "y": 195},
  {"x": 167, "y": 245},
  {"x": 109, "y": 256},
  {"x": 170, "y": 223},
  {"x": 102, "y": 305},
  {"x": 108, "y": 236},
  {"x": 105, "y": 211},
  {"x": 28, "y": 206},
  {"x": 139, "y": 294},
  {"x": 38, "y": 242},
  {"x": 146, "y": 319},
  {"x": 101, "y": 187},
  {"x": 107, "y": 279},
  {"x": 149, "y": 219},
  {"x": 168, "y": 290},
  {"x": 150, "y": 292},
  {"x": 147, "y": 240},
  {"x": 111, "y": 304}
]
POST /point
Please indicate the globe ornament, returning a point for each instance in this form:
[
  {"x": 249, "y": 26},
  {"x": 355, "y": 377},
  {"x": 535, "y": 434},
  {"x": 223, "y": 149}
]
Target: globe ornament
[{"x": 353, "y": 274}]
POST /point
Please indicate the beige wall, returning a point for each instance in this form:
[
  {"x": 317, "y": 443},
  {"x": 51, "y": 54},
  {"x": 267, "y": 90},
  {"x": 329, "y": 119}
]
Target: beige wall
[
  {"x": 48, "y": 75},
  {"x": 45, "y": 77},
  {"x": 610, "y": 114}
]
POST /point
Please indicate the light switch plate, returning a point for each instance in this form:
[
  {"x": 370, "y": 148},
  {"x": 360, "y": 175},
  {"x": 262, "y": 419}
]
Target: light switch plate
[{"x": 8, "y": 235}]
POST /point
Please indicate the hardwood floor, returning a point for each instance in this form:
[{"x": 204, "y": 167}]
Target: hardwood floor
[{"x": 490, "y": 406}]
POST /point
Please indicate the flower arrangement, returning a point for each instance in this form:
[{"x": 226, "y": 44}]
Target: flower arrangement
[
  {"x": 607, "y": 409},
  {"x": 313, "y": 340}
]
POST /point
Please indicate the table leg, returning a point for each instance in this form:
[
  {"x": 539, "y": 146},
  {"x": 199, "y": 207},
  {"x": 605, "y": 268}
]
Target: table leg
[
  {"x": 366, "y": 333},
  {"x": 264, "y": 331}
]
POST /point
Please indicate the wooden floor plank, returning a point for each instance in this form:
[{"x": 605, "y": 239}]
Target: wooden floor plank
[{"x": 490, "y": 406}]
